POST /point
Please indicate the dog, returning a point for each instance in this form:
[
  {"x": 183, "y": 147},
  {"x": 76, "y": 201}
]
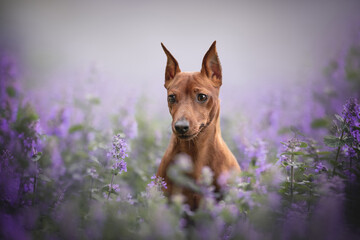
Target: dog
[{"x": 193, "y": 101}]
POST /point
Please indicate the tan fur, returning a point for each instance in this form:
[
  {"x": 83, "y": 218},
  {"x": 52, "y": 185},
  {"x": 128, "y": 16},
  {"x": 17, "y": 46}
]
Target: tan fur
[{"x": 205, "y": 145}]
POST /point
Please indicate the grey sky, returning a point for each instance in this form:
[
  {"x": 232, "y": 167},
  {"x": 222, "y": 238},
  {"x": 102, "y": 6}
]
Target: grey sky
[{"x": 258, "y": 41}]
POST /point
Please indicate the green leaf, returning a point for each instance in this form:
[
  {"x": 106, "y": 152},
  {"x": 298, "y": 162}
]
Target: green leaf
[
  {"x": 36, "y": 157},
  {"x": 114, "y": 172},
  {"x": 323, "y": 153},
  {"x": 332, "y": 141},
  {"x": 11, "y": 92},
  {"x": 335, "y": 142},
  {"x": 94, "y": 159},
  {"x": 333, "y": 162},
  {"x": 320, "y": 123},
  {"x": 76, "y": 128},
  {"x": 44, "y": 178},
  {"x": 292, "y": 153},
  {"x": 113, "y": 191},
  {"x": 25, "y": 116},
  {"x": 348, "y": 140},
  {"x": 296, "y": 131},
  {"x": 357, "y": 150},
  {"x": 303, "y": 144},
  {"x": 182, "y": 179},
  {"x": 284, "y": 130},
  {"x": 338, "y": 117},
  {"x": 94, "y": 100},
  {"x": 286, "y": 153}
]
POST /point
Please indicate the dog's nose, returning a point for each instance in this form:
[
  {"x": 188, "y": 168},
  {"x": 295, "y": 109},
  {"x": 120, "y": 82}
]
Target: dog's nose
[{"x": 182, "y": 126}]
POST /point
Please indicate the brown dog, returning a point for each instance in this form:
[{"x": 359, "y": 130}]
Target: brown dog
[{"x": 193, "y": 100}]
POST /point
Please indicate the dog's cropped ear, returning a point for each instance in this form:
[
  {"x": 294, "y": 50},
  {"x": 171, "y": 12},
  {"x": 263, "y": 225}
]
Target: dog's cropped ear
[
  {"x": 211, "y": 66},
  {"x": 172, "y": 67}
]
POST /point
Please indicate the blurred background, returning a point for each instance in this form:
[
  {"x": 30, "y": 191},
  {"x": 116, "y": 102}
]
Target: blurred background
[
  {"x": 82, "y": 80},
  {"x": 262, "y": 45}
]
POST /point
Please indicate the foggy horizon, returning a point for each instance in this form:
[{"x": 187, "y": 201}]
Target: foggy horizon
[{"x": 263, "y": 46}]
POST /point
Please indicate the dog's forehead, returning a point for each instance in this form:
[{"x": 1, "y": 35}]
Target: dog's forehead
[{"x": 189, "y": 81}]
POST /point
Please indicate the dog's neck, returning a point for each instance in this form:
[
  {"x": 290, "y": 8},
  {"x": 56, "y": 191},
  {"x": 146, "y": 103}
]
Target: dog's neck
[{"x": 204, "y": 140}]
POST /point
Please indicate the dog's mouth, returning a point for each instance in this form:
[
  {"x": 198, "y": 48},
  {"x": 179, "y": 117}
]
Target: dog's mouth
[{"x": 187, "y": 136}]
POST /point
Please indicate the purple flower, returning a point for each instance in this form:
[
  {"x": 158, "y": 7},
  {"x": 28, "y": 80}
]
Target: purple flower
[
  {"x": 283, "y": 159},
  {"x": 157, "y": 182},
  {"x": 114, "y": 187},
  {"x": 349, "y": 151},
  {"x": 320, "y": 167},
  {"x": 257, "y": 151},
  {"x": 246, "y": 198},
  {"x": 222, "y": 180},
  {"x": 255, "y": 154},
  {"x": 8, "y": 68},
  {"x": 350, "y": 175},
  {"x": 130, "y": 127},
  {"x": 351, "y": 111},
  {"x": 182, "y": 223},
  {"x": 119, "y": 148},
  {"x": 351, "y": 115},
  {"x": 127, "y": 120},
  {"x": 207, "y": 176},
  {"x": 58, "y": 167},
  {"x": 92, "y": 173},
  {"x": 119, "y": 167},
  {"x": 130, "y": 199},
  {"x": 29, "y": 144},
  {"x": 118, "y": 152},
  {"x": 292, "y": 145},
  {"x": 32, "y": 144},
  {"x": 59, "y": 121},
  {"x": 5, "y": 159},
  {"x": 8, "y": 75}
]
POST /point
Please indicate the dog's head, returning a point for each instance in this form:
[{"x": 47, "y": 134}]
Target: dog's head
[{"x": 193, "y": 97}]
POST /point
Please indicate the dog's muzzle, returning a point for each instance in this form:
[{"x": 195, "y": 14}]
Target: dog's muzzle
[{"x": 182, "y": 126}]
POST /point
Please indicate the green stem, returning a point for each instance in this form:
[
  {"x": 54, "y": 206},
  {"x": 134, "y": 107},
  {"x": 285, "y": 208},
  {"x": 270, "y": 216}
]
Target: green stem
[
  {"x": 292, "y": 182},
  {"x": 338, "y": 152},
  {"x": 35, "y": 178},
  {"x": 34, "y": 186},
  {"x": 112, "y": 179},
  {"x": 91, "y": 186},
  {"x": 309, "y": 200},
  {"x": 292, "y": 177}
]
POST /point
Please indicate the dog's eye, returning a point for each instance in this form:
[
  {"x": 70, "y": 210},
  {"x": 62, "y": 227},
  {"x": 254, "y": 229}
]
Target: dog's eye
[
  {"x": 171, "y": 98},
  {"x": 201, "y": 97}
]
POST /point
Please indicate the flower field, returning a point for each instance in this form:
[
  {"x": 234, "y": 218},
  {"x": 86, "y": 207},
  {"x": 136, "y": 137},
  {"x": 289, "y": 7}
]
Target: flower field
[{"x": 69, "y": 169}]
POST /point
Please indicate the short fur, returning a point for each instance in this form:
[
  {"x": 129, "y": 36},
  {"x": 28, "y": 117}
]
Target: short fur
[{"x": 203, "y": 141}]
